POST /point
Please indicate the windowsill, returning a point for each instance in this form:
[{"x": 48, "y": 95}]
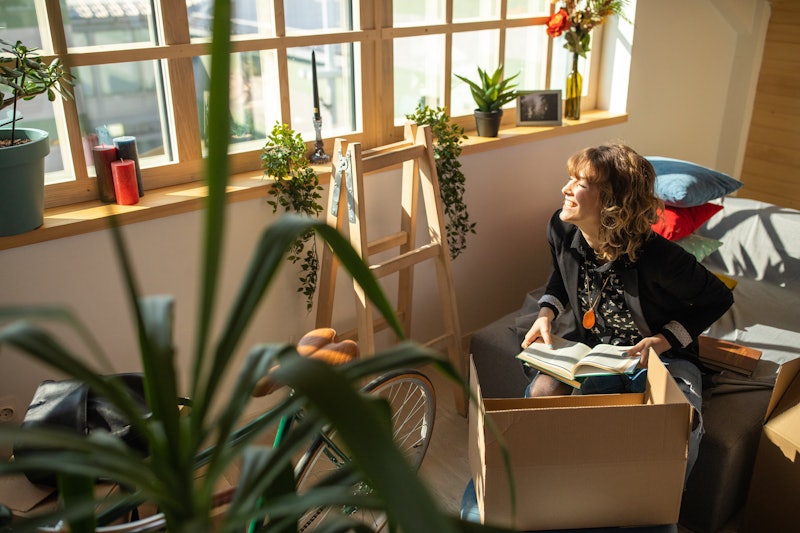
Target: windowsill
[{"x": 91, "y": 216}]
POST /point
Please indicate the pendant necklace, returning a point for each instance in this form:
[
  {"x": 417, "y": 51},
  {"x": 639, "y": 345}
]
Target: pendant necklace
[{"x": 588, "y": 316}]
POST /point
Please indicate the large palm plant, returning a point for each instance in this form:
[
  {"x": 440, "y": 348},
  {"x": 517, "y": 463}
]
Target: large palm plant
[{"x": 328, "y": 395}]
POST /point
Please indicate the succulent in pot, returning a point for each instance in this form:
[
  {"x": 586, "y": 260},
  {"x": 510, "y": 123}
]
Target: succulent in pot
[
  {"x": 491, "y": 92},
  {"x": 24, "y": 75}
]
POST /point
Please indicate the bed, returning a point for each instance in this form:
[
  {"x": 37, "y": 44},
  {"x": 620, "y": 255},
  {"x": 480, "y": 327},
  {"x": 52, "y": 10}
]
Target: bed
[{"x": 755, "y": 246}]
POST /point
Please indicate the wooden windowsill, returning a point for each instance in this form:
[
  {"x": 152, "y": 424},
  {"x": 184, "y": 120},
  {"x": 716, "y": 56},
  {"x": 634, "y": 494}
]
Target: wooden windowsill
[{"x": 91, "y": 216}]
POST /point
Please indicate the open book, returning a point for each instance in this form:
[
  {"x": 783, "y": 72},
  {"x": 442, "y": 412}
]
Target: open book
[{"x": 571, "y": 361}]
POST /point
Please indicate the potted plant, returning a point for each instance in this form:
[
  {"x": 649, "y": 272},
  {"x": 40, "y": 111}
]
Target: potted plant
[
  {"x": 296, "y": 189},
  {"x": 22, "y": 150},
  {"x": 168, "y": 477},
  {"x": 491, "y": 93},
  {"x": 446, "y": 149}
]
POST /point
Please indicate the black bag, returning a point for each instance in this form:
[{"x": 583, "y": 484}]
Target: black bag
[{"x": 73, "y": 406}]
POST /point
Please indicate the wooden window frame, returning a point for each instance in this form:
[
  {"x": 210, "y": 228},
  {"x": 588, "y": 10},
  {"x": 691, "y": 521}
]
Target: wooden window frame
[{"x": 374, "y": 34}]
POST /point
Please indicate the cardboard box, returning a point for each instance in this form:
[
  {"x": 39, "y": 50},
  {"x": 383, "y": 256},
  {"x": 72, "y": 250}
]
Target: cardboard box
[
  {"x": 772, "y": 502},
  {"x": 582, "y": 461}
]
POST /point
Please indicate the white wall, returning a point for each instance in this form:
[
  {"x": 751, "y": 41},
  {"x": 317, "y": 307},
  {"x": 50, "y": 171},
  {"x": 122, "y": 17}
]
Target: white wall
[{"x": 693, "y": 69}]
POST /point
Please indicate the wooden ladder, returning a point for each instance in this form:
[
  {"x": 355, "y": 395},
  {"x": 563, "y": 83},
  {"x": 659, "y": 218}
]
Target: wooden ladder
[{"x": 346, "y": 210}]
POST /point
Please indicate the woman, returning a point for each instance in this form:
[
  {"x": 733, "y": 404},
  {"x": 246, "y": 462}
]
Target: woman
[{"x": 625, "y": 284}]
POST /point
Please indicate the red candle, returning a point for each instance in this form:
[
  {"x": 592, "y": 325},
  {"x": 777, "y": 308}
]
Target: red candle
[
  {"x": 103, "y": 155},
  {"x": 124, "y": 173}
]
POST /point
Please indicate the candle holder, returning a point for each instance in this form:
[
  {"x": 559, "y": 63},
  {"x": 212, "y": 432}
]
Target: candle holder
[{"x": 319, "y": 157}]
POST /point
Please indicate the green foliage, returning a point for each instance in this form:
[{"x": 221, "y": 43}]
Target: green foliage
[
  {"x": 446, "y": 150},
  {"x": 295, "y": 189},
  {"x": 31, "y": 76},
  {"x": 491, "y": 92},
  {"x": 575, "y": 20}
]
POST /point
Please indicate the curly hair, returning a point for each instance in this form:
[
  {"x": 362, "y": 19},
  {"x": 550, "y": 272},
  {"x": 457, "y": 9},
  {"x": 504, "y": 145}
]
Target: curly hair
[{"x": 629, "y": 206}]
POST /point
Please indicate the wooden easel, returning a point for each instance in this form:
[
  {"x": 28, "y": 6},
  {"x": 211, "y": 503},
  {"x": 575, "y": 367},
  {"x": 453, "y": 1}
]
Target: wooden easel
[{"x": 346, "y": 210}]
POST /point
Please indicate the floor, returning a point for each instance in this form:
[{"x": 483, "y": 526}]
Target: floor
[{"x": 446, "y": 465}]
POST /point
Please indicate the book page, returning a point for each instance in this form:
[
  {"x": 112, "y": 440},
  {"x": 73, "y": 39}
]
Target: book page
[
  {"x": 561, "y": 359},
  {"x": 606, "y": 358}
]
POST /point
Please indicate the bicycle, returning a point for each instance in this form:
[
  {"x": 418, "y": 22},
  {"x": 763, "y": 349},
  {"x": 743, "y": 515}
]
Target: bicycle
[{"x": 411, "y": 397}]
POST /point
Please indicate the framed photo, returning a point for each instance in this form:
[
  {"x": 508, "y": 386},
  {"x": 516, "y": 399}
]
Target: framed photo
[{"x": 539, "y": 108}]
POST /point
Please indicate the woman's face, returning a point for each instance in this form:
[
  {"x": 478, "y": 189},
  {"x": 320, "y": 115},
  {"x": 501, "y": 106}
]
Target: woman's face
[{"x": 581, "y": 203}]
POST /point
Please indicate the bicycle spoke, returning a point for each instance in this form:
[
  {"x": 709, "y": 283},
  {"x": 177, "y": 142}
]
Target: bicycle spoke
[{"x": 413, "y": 404}]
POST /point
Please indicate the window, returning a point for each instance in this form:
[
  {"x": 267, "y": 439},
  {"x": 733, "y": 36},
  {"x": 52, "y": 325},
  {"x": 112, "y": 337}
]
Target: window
[{"x": 142, "y": 69}]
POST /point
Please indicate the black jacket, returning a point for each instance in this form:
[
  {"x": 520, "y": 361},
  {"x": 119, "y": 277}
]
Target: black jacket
[{"x": 666, "y": 289}]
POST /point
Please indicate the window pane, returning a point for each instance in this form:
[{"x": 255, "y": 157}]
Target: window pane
[
  {"x": 526, "y": 52},
  {"x": 18, "y": 22},
  {"x": 127, "y": 99},
  {"x": 38, "y": 114},
  {"x": 254, "y": 97},
  {"x": 471, "y": 50},
  {"x": 417, "y": 12},
  {"x": 248, "y": 17},
  {"x": 109, "y": 22},
  {"x": 476, "y": 9},
  {"x": 562, "y": 65},
  {"x": 337, "y": 89},
  {"x": 418, "y": 74},
  {"x": 313, "y": 16},
  {"x": 527, "y": 8}
]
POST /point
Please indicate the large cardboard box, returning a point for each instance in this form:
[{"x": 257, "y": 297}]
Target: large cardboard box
[
  {"x": 774, "y": 496},
  {"x": 581, "y": 461}
]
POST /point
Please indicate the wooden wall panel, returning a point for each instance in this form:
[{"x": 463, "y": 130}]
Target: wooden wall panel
[{"x": 771, "y": 168}]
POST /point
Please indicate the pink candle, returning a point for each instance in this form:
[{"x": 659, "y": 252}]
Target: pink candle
[
  {"x": 103, "y": 155},
  {"x": 124, "y": 173}
]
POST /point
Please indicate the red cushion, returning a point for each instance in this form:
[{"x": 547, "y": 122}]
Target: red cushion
[{"x": 678, "y": 222}]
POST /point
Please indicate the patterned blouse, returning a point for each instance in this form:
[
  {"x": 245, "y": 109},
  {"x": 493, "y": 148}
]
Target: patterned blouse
[{"x": 613, "y": 320}]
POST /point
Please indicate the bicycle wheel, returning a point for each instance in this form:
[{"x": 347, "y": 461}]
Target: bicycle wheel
[{"x": 413, "y": 402}]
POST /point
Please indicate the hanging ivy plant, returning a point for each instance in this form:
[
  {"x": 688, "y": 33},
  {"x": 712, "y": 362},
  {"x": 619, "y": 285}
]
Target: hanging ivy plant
[
  {"x": 296, "y": 189},
  {"x": 447, "y": 138}
]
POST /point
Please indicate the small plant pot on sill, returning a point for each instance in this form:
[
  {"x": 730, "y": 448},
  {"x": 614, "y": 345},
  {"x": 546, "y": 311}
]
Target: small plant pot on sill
[
  {"x": 22, "y": 181},
  {"x": 488, "y": 122}
]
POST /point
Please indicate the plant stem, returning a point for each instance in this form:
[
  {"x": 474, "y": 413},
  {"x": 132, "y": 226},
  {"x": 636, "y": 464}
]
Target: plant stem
[{"x": 14, "y": 108}]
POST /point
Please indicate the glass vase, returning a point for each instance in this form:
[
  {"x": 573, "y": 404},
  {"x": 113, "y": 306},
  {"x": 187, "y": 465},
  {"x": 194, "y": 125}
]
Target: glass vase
[{"x": 572, "y": 101}]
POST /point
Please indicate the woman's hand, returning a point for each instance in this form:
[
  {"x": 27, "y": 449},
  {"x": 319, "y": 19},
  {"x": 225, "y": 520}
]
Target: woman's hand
[
  {"x": 540, "y": 328},
  {"x": 658, "y": 343}
]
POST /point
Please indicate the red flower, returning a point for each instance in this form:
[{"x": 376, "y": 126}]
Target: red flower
[{"x": 558, "y": 23}]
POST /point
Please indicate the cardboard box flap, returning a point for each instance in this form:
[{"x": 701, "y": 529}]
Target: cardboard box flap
[
  {"x": 661, "y": 387},
  {"x": 554, "y": 402},
  {"x": 476, "y": 450},
  {"x": 783, "y": 425},
  {"x": 20, "y": 495},
  {"x": 786, "y": 375}
]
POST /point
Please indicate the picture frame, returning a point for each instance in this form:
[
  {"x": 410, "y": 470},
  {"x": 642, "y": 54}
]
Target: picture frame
[{"x": 539, "y": 108}]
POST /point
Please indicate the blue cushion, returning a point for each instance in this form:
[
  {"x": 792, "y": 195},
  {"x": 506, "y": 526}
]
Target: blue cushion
[{"x": 684, "y": 184}]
